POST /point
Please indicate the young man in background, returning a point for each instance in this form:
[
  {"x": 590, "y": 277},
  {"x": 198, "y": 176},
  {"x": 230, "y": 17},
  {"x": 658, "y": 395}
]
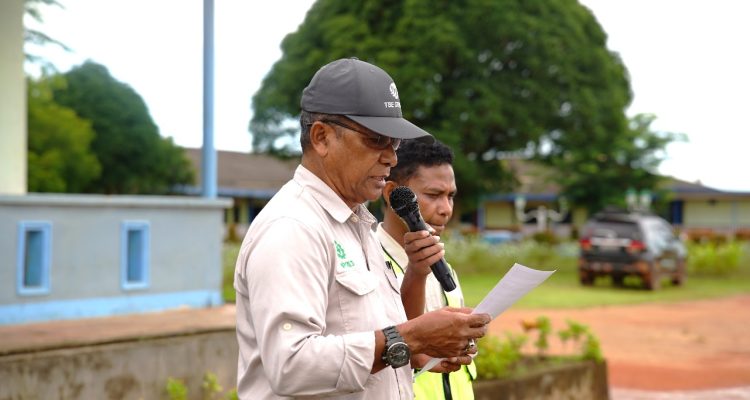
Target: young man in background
[{"x": 426, "y": 168}]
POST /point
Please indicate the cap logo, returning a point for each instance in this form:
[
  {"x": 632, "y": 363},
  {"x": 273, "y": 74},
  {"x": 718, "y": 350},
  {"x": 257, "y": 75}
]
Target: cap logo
[{"x": 394, "y": 91}]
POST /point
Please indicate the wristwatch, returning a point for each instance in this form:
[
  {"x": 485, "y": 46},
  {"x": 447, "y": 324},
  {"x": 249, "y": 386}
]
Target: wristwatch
[{"x": 396, "y": 353}]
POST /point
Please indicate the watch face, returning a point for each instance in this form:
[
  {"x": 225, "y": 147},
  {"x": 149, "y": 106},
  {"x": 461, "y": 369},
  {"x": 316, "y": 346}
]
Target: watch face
[{"x": 398, "y": 355}]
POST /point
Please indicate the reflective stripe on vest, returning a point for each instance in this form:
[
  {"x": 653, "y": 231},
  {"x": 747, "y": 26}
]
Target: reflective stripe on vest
[{"x": 429, "y": 386}]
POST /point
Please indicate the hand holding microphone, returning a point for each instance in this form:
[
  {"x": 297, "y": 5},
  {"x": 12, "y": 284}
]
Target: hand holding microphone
[{"x": 404, "y": 203}]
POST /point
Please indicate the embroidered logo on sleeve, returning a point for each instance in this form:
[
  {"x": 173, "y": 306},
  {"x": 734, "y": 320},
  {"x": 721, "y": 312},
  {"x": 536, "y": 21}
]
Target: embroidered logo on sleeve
[{"x": 341, "y": 254}]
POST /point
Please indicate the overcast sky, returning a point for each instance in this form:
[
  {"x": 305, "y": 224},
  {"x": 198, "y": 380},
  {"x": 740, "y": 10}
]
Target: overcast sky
[{"x": 687, "y": 60}]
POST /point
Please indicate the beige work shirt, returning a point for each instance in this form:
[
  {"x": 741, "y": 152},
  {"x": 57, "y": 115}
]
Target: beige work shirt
[{"x": 312, "y": 287}]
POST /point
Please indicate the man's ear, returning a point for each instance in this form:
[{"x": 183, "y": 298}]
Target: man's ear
[
  {"x": 320, "y": 137},
  {"x": 389, "y": 186}
]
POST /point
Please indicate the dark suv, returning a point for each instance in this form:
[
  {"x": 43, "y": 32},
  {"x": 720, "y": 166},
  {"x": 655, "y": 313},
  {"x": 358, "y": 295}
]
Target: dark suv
[{"x": 620, "y": 243}]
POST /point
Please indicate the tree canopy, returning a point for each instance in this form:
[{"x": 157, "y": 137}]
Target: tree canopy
[
  {"x": 59, "y": 157},
  {"x": 134, "y": 158},
  {"x": 490, "y": 78}
]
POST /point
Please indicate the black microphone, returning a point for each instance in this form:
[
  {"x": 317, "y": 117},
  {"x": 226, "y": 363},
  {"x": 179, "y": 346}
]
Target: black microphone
[{"x": 404, "y": 203}]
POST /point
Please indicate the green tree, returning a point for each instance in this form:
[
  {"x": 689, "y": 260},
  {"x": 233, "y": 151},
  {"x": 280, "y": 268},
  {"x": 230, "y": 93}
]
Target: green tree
[
  {"x": 134, "y": 158},
  {"x": 488, "y": 77},
  {"x": 598, "y": 166},
  {"x": 59, "y": 157},
  {"x": 36, "y": 37}
]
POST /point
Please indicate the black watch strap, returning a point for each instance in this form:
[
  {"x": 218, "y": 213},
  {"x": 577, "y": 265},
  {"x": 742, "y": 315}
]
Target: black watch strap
[{"x": 391, "y": 335}]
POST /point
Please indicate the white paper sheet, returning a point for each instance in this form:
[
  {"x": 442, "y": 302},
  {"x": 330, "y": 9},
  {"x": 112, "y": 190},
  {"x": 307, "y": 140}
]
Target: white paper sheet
[{"x": 518, "y": 281}]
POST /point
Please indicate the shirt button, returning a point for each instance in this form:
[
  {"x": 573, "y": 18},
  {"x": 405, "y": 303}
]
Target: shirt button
[
  {"x": 355, "y": 218},
  {"x": 287, "y": 326}
]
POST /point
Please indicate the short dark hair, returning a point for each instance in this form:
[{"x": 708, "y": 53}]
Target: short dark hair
[{"x": 415, "y": 153}]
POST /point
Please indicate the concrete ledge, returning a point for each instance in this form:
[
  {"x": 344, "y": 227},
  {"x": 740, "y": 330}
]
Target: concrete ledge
[
  {"x": 583, "y": 380},
  {"x": 136, "y": 369},
  {"x": 56, "y": 335}
]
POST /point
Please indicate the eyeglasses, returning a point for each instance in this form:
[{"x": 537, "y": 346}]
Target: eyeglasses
[{"x": 374, "y": 141}]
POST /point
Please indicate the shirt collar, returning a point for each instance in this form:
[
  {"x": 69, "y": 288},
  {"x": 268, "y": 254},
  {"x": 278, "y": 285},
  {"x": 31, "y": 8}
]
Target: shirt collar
[
  {"x": 329, "y": 200},
  {"x": 393, "y": 247}
]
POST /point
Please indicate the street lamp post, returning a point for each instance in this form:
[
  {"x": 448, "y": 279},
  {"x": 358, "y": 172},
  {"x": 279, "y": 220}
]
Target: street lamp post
[{"x": 541, "y": 213}]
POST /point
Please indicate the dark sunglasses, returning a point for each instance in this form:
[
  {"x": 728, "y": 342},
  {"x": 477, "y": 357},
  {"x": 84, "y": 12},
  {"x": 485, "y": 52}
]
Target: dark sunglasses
[{"x": 374, "y": 141}]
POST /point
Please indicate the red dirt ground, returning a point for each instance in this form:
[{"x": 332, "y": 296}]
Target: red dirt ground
[{"x": 678, "y": 346}]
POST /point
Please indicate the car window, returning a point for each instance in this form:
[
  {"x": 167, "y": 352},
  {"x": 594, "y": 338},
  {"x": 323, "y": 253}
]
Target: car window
[
  {"x": 659, "y": 234},
  {"x": 613, "y": 229}
]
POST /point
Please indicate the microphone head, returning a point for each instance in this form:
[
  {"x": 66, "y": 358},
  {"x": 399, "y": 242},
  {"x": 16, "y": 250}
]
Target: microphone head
[{"x": 403, "y": 201}]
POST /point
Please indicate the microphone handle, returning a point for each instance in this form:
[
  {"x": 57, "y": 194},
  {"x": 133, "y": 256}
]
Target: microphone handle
[{"x": 440, "y": 268}]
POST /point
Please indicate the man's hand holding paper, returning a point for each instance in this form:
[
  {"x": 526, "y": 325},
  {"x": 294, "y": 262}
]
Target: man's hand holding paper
[{"x": 518, "y": 281}]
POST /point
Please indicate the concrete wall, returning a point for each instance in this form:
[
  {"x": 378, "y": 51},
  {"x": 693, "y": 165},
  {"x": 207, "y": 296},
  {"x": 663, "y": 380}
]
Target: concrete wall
[
  {"x": 584, "y": 380},
  {"x": 85, "y": 269},
  {"x": 12, "y": 99},
  {"x": 137, "y": 369}
]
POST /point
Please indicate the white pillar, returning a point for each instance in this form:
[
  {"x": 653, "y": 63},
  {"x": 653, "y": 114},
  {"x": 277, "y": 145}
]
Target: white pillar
[{"x": 12, "y": 99}]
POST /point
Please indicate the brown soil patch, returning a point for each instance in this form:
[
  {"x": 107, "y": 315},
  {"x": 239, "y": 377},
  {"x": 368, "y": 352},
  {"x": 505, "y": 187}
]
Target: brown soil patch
[{"x": 687, "y": 345}]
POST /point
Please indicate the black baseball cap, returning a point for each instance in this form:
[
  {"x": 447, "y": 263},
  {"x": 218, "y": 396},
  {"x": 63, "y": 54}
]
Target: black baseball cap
[{"x": 363, "y": 93}]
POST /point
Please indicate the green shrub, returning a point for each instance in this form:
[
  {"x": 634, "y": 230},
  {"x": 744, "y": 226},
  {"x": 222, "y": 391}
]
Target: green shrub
[
  {"x": 176, "y": 389},
  {"x": 210, "y": 387},
  {"x": 545, "y": 237},
  {"x": 499, "y": 358},
  {"x": 715, "y": 259},
  {"x": 496, "y": 358},
  {"x": 475, "y": 256}
]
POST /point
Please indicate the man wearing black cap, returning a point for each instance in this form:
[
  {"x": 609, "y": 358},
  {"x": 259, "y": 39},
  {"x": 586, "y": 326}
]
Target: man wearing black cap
[{"x": 318, "y": 312}]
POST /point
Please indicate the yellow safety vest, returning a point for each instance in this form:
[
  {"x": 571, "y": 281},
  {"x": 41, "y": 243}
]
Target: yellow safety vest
[{"x": 446, "y": 386}]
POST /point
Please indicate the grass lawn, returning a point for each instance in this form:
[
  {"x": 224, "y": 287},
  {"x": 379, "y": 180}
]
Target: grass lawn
[{"x": 562, "y": 289}]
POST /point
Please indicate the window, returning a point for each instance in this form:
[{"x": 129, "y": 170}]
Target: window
[
  {"x": 33, "y": 257},
  {"x": 134, "y": 255}
]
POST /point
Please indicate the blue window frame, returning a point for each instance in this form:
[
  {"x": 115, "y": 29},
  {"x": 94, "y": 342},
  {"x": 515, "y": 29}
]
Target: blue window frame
[
  {"x": 134, "y": 255},
  {"x": 33, "y": 257}
]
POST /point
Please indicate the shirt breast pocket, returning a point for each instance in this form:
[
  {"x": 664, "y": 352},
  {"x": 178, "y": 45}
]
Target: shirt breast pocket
[{"x": 357, "y": 298}]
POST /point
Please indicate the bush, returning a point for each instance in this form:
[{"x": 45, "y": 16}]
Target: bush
[
  {"x": 210, "y": 388},
  {"x": 546, "y": 237},
  {"x": 474, "y": 256},
  {"x": 499, "y": 358},
  {"x": 714, "y": 258}
]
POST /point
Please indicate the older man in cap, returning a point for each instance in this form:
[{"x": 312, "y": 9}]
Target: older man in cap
[{"x": 318, "y": 312}]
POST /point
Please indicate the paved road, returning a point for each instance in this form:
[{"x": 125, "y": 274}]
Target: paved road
[{"x": 740, "y": 393}]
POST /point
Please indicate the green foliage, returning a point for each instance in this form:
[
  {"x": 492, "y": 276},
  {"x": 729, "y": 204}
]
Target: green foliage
[
  {"x": 59, "y": 154},
  {"x": 134, "y": 158},
  {"x": 490, "y": 78},
  {"x": 176, "y": 389},
  {"x": 481, "y": 265},
  {"x": 544, "y": 328},
  {"x": 471, "y": 255},
  {"x": 498, "y": 358},
  {"x": 545, "y": 237},
  {"x": 31, "y": 9},
  {"x": 229, "y": 254},
  {"x": 714, "y": 258},
  {"x": 600, "y": 161},
  {"x": 210, "y": 388},
  {"x": 589, "y": 347}
]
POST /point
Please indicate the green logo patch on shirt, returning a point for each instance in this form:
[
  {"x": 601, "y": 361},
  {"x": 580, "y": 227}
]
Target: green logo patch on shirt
[{"x": 341, "y": 254}]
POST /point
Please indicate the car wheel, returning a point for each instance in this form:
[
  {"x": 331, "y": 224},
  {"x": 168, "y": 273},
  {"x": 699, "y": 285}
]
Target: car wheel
[
  {"x": 586, "y": 278},
  {"x": 678, "y": 279},
  {"x": 652, "y": 280}
]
